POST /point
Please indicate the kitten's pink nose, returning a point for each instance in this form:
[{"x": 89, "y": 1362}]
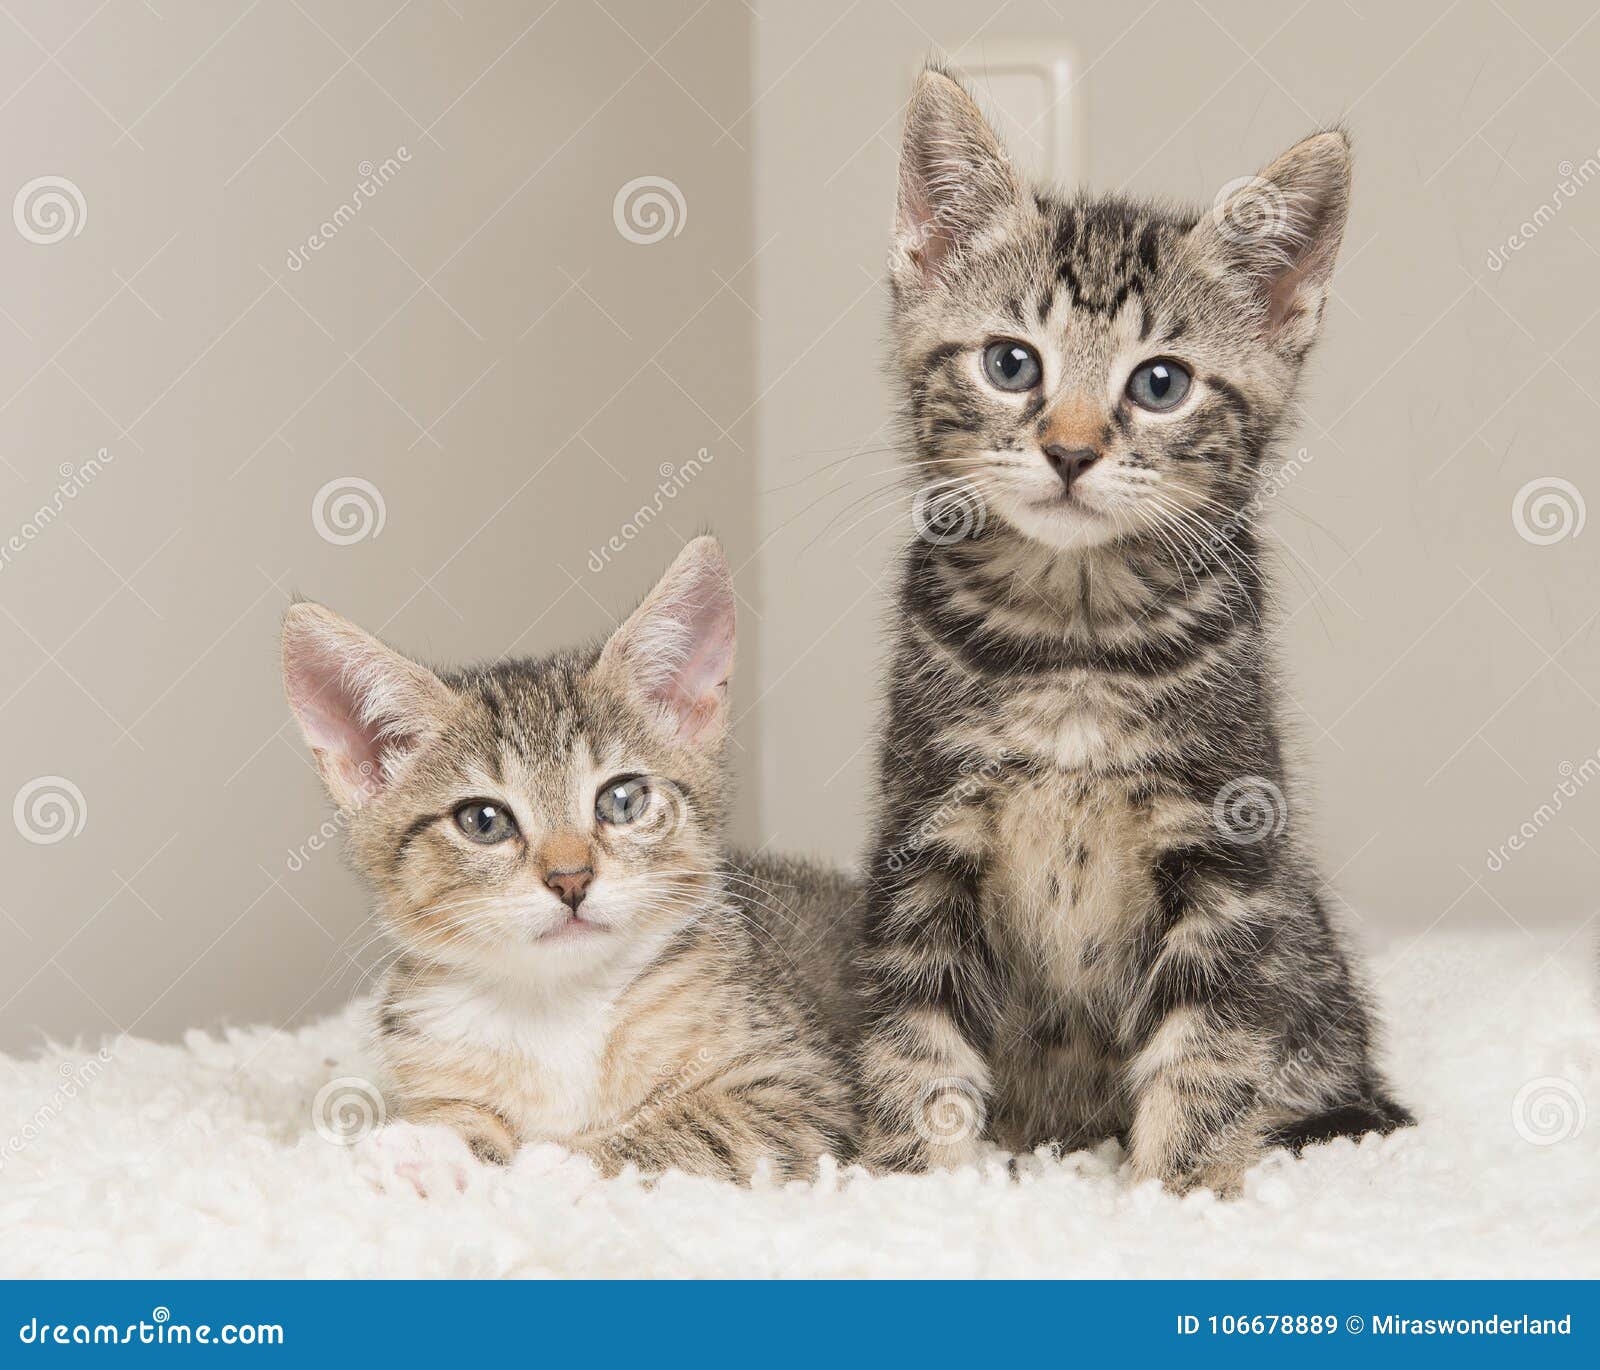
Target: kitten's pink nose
[
  {"x": 1070, "y": 462},
  {"x": 571, "y": 886}
]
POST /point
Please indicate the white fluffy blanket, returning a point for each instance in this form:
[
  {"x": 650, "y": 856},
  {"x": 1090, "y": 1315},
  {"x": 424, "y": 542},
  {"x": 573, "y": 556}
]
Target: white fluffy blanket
[{"x": 201, "y": 1159}]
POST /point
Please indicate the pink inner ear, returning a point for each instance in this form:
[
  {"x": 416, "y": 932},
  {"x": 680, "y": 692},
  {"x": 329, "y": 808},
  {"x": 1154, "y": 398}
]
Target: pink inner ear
[
  {"x": 1283, "y": 299},
  {"x": 694, "y": 690},
  {"x": 931, "y": 243},
  {"x": 330, "y": 714}
]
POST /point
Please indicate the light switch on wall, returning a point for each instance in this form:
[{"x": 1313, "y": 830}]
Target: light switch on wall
[{"x": 1030, "y": 89}]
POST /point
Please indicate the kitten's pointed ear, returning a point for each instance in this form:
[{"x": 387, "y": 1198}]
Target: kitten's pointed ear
[
  {"x": 676, "y": 650},
  {"x": 1279, "y": 232},
  {"x": 955, "y": 179},
  {"x": 362, "y": 707}
]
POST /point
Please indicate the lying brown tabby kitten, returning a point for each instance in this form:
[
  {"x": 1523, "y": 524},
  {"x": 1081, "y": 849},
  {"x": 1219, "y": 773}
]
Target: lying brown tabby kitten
[{"x": 579, "y": 963}]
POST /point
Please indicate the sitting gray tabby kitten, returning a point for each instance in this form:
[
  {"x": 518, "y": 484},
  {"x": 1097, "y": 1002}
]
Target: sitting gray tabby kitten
[
  {"x": 1090, "y": 908},
  {"x": 578, "y": 960}
]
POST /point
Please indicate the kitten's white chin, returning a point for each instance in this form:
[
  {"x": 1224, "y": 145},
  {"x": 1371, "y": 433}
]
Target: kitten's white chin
[
  {"x": 1067, "y": 525},
  {"x": 555, "y": 959},
  {"x": 574, "y": 928}
]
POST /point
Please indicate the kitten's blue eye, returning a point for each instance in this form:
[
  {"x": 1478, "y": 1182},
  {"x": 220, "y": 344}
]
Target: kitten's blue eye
[
  {"x": 1159, "y": 385},
  {"x": 1012, "y": 366},
  {"x": 622, "y": 800},
  {"x": 485, "y": 822}
]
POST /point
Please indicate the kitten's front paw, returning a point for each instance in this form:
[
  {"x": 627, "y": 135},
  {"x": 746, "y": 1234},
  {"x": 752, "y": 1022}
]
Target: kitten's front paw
[
  {"x": 916, "y": 1155},
  {"x": 941, "y": 1129},
  {"x": 491, "y": 1150},
  {"x": 1224, "y": 1177},
  {"x": 1225, "y": 1184},
  {"x": 426, "y": 1160}
]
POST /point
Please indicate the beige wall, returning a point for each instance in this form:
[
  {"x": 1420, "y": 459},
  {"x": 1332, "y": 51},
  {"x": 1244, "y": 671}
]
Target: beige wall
[
  {"x": 1445, "y": 671},
  {"x": 515, "y": 410},
  {"x": 512, "y": 413}
]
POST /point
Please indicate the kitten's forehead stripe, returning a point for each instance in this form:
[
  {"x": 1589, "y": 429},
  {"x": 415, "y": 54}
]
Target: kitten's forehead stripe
[{"x": 535, "y": 727}]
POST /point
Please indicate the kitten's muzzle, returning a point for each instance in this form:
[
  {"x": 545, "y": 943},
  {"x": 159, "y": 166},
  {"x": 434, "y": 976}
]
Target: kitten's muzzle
[
  {"x": 571, "y": 886},
  {"x": 1069, "y": 462}
]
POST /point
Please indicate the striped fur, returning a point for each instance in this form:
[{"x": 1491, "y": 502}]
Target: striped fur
[
  {"x": 1090, "y": 909},
  {"x": 661, "y": 1023}
]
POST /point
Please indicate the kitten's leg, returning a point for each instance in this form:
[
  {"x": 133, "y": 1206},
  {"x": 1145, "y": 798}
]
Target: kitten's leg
[
  {"x": 1198, "y": 1055},
  {"x": 932, "y": 996},
  {"x": 485, "y": 1132},
  {"x": 725, "y": 1129},
  {"x": 1196, "y": 1123}
]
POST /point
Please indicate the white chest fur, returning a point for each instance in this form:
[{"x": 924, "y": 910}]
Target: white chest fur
[
  {"x": 1070, "y": 872},
  {"x": 544, "y": 1051}
]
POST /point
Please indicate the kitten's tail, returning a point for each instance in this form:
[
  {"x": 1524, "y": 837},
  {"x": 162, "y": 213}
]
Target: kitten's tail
[{"x": 1379, "y": 1114}]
